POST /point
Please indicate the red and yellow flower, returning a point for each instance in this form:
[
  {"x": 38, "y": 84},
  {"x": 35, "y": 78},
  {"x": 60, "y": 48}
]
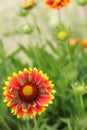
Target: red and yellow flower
[
  {"x": 29, "y": 92},
  {"x": 28, "y": 4},
  {"x": 55, "y": 4}
]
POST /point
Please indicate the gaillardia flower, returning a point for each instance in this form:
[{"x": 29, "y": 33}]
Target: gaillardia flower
[
  {"x": 29, "y": 92},
  {"x": 55, "y": 4},
  {"x": 28, "y": 4}
]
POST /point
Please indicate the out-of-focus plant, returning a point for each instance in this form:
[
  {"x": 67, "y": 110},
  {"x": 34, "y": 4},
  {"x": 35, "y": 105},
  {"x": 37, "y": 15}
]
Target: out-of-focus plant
[{"x": 82, "y": 2}]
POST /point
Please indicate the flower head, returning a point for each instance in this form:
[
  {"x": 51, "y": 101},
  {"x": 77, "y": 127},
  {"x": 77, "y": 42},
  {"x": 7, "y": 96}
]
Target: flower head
[
  {"x": 80, "y": 89},
  {"x": 55, "y": 4},
  {"x": 26, "y": 29},
  {"x": 73, "y": 42},
  {"x": 28, "y": 4},
  {"x": 28, "y": 92},
  {"x": 62, "y": 35},
  {"x": 84, "y": 43}
]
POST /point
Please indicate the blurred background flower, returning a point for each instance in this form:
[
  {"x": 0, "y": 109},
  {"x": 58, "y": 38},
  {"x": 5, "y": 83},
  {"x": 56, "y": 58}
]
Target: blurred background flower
[
  {"x": 62, "y": 35},
  {"x": 84, "y": 43},
  {"x": 28, "y": 4},
  {"x": 56, "y": 4},
  {"x": 73, "y": 42}
]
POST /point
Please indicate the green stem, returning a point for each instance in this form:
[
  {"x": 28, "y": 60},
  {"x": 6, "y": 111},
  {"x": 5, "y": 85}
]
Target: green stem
[
  {"x": 36, "y": 57},
  {"x": 4, "y": 123},
  {"x": 35, "y": 124},
  {"x": 60, "y": 19},
  {"x": 38, "y": 29},
  {"x": 83, "y": 128},
  {"x": 27, "y": 124},
  {"x": 68, "y": 50},
  {"x": 69, "y": 53},
  {"x": 75, "y": 128},
  {"x": 81, "y": 103},
  {"x": 77, "y": 103},
  {"x": 69, "y": 125}
]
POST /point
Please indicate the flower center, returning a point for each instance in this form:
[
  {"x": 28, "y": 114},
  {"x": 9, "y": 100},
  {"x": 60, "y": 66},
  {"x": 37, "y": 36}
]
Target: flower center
[
  {"x": 27, "y": 90},
  {"x": 57, "y": 1},
  {"x": 28, "y": 93}
]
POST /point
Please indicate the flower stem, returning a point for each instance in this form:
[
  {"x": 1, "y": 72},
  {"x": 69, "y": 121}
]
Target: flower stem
[
  {"x": 69, "y": 55},
  {"x": 81, "y": 104},
  {"x": 69, "y": 125},
  {"x": 60, "y": 19},
  {"x": 4, "y": 123},
  {"x": 36, "y": 56},
  {"x": 35, "y": 124}
]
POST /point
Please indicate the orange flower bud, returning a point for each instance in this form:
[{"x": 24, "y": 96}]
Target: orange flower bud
[
  {"x": 84, "y": 43},
  {"x": 73, "y": 42}
]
